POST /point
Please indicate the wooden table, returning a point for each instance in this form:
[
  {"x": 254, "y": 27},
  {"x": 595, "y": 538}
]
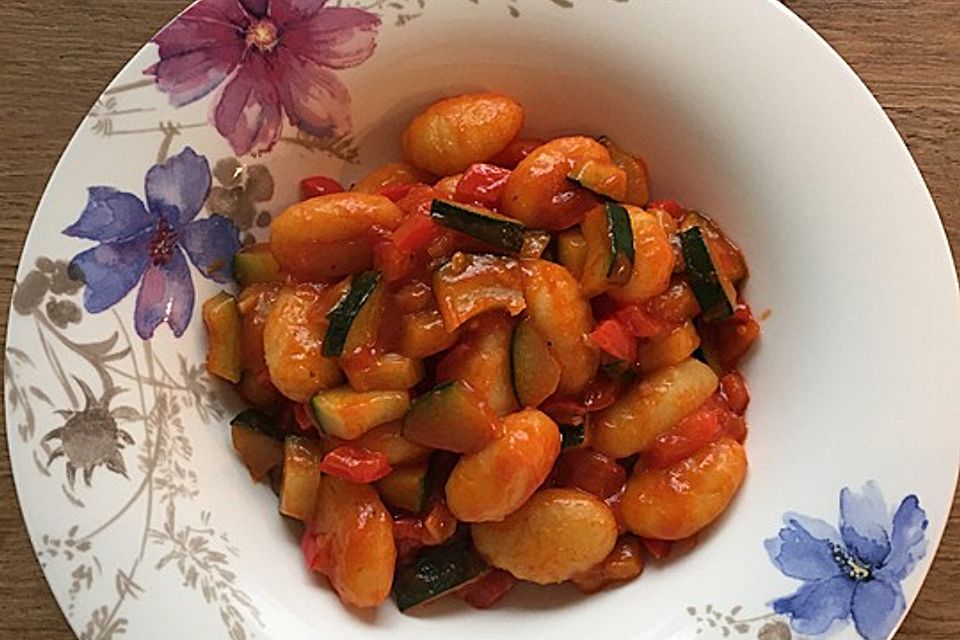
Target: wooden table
[{"x": 56, "y": 57}]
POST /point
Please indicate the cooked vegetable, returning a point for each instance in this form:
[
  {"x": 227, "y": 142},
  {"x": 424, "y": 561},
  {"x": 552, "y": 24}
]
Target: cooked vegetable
[
  {"x": 293, "y": 343},
  {"x": 482, "y": 360},
  {"x": 488, "y": 590},
  {"x": 498, "y": 231},
  {"x": 387, "y": 439},
  {"x": 638, "y": 189},
  {"x": 727, "y": 341},
  {"x": 625, "y": 562},
  {"x": 355, "y": 464},
  {"x": 423, "y": 334},
  {"x": 715, "y": 294},
  {"x": 653, "y": 260},
  {"x": 405, "y": 487},
  {"x": 651, "y": 407},
  {"x": 452, "y": 417},
  {"x": 452, "y": 134},
  {"x": 356, "y": 318},
  {"x": 573, "y": 436},
  {"x": 536, "y": 372},
  {"x": 353, "y": 538},
  {"x": 589, "y": 471},
  {"x": 481, "y": 184},
  {"x": 437, "y": 571},
  {"x": 224, "y": 348},
  {"x": 258, "y": 442},
  {"x": 255, "y": 264},
  {"x": 560, "y": 312},
  {"x": 725, "y": 255},
  {"x": 384, "y": 372},
  {"x": 556, "y": 535},
  {"x": 479, "y": 490},
  {"x": 572, "y": 251},
  {"x": 469, "y": 285},
  {"x": 301, "y": 477},
  {"x": 676, "y": 502},
  {"x": 348, "y": 414},
  {"x": 670, "y": 348},
  {"x": 316, "y": 186},
  {"x": 602, "y": 178}
]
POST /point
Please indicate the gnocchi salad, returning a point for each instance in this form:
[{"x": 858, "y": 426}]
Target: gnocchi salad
[{"x": 498, "y": 361}]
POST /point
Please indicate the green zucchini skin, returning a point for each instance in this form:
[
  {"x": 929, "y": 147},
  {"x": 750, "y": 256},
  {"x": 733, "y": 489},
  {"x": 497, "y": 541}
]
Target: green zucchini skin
[
  {"x": 713, "y": 295},
  {"x": 437, "y": 571},
  {"x": 623, "y": 250},
  {"x": 572, "y": 436},
  {"x": 259, "y": 421},
  {"x": 341, "y": 317},
  {"x": 502, "y": 233}
]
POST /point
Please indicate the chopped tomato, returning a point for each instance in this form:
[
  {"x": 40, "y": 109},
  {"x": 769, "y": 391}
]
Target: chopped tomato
[
  {"x": 734, "y": 390},
  {"x": 397, "y": 192},
  {"x": 415, "y": 233},
  {"x": 418, "y": 199},
  {"x": 315, "y": 553},
  {"x": 439, "y": 523},
  {"x": 639, "y": 322},
  {"x": 729, "y": 340},
  {"x": 590, "y": 471},
  {"x": 601, "y": 392},
  {"x": 482, "y": 185},
  {"x": 408, "y": 536},
  {"x": 659, "y": 549},
  {"x": 689, "y": 435},
  {"x": 564, "y": 410},
  {"x": 672, "y": 207},
  {"x": 355, "y": 464},
  {"x": 515, "y": 152},
  {"x": 489, "y": 589},
  {"x": 613, "y": 338},
  {"x": 318, "y": 186},
  {"x": 303, "y": 416}
]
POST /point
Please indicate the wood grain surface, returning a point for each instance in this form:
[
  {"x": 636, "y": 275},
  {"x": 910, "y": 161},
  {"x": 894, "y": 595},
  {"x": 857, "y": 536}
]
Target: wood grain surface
[{"x": 56, "y": 57}]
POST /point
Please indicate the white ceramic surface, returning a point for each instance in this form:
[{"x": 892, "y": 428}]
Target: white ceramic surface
[{"x": 739, "y": 109}]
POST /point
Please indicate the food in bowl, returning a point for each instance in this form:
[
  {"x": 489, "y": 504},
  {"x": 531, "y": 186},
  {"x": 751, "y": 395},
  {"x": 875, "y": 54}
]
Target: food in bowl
[{"x": 498, "y": 361}]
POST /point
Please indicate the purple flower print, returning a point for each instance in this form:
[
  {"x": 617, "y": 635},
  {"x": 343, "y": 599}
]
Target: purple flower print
[
  {"x": 273, "y": 56},
  {"x": 854, "y": 572},
  {"x": 146, "y": 244}
]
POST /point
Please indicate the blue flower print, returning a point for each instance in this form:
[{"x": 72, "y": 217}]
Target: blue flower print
[
  {"x": 145, "y": 244},
  {"x": 853, "y": 572}
]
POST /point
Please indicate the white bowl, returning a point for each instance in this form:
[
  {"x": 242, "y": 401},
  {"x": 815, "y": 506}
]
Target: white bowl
[{"x": 739, "y": 109}]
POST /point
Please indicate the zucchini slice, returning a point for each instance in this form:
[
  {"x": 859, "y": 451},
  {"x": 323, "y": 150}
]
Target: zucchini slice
[
  {"x": 348, "y": 414},
  {"x": 622, "y": 248},
  {"x": 354, "y": 320},
  {"x": 610, "y": 249},
  {"x": 638, "y": 179},
  {"x": 255, "y": 264},
  {"x": 536, "y": 372},
  {"x": 405, "y": 487},
  {"x": 437, "y": 571},
  {"x": 224, "y": 337},
  {"x": 386, "y": 372},
  {"x": 572, "y": 251},
  {"x": 602, "y": 178},
  {"x": 572, "y": 436},
  {"x": 498, "y": 231},
  {"x": 452, "y": 417},
  {"x": 258, "y": 441},
  {"x": 301, "y": 477},
  {"x": 714, "y": 293},
  {"x": 470, "y": 284}
]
